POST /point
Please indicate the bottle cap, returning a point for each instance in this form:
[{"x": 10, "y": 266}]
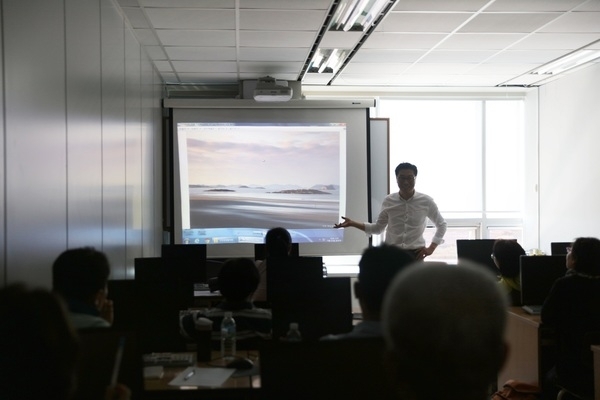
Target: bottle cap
[
  {"x": 228, "y": 314},
  {"x": 293, "y": 325}
]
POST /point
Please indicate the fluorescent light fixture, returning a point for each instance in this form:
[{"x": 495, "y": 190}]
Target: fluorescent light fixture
[
  {"x": 356, "y": 15},
  {"x": 567, "y": 62},
  {"x": 327, "y": 60}
]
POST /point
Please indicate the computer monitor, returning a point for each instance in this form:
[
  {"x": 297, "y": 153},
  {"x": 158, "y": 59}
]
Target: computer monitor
[
  {"x": 477, "y": 250},
  {"x": 538, "y": 274},
  {"x": 340, "y": 369},
  {"x": 187, "y": 260},
  {"x": 559, "y": 248},
  {"x": 260, "y": 251},
  {"x": 298, "y": 292}
]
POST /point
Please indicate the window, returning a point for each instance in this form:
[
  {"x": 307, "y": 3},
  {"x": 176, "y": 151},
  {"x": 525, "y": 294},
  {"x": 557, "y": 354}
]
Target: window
[{"x": 470, "y": 156}]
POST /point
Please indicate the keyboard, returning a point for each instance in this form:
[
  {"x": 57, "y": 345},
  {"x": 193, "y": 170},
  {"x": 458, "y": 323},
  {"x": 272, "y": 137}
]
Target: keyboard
[
  {"x": 170, "y": 359},
  {"x": 533, "y": 310}
]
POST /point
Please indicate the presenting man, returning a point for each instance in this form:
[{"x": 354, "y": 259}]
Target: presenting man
[{"x": 404, "y": 216}]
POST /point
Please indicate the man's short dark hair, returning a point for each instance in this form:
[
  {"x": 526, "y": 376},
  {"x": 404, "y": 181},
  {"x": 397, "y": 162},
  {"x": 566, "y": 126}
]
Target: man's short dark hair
[
  {"x": 586, "y": 254},
  {"x": 406, "y": 165},
  {"x": 278, "y": 242},
  {"x": 80, "y": 273},
  {"x": 238, "y": 279},
  {"x": 377, "y": 267}
]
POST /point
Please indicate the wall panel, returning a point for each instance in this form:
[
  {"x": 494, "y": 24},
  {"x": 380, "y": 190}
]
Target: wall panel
[
  {"x": 34, "y": 62},
  {"x": 147, "y": 157},
  {"x": 569, "y": 164},
  {"x": 84, "y": 130},
  {"x": 133, "y": 145},
  {"x": 113, "y": 137},
  {"x": 3, "y": 157}
]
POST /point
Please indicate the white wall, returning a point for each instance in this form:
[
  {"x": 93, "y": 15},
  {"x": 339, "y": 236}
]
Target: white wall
[
  {"x": 569, "y": 143},
  {"x": 81, "y": 138}
]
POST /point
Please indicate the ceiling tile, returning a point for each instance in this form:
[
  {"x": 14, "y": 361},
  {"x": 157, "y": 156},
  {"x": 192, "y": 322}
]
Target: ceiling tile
[
  {"x": 171, "y": 37},
  {"x": 188, "y": 3},
  {"x": 437, "y": 5},
  {"x": 271, "y": 68},
  {"x": 146, "y": 37},
  {"x": 277, "y": 39},
  {"x": 508, "y": 22},
  {"x": 526, "y": 56},
  {"x": 422, "y": 22},
  {"x": 204, "y": 66},
  {"x": 480, "y": 41},
  {"x": 285, "y": 20},
  {"x": 322, "y": 5},
  {"x": 457, "y": 56},
  {"x": 388, "y": 56},
  {"x": 575, "y": 22},
  {"x": 534, "y": 5},
  {"x": 402, "y": 41},
  {"x": 564, "y": 41},
  {"x": 272, "y": 54},
  {"x": 194, "y": 53},
  {"x": 155, "y": 52},
  {"x": 183, "y": 18}
]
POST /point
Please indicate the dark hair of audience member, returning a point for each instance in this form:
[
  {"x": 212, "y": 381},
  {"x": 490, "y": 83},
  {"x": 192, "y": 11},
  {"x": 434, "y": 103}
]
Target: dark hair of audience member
[
  {"x": 80, "y": 273},
  {"x": 585, "y": 253},
  {"x": 38, "y": 347},
  {"x": 377, "y": 267},
  {"x": 508, "y": 257},
  {"x": 278, "y": 242},
  {"x": 238, "y": 279}
]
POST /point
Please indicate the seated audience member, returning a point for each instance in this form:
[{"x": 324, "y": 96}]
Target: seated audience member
[
  {"x": 278, "y": 243},
  {"x": 39, "y": 348},
  {"x": 572, "y": 308},
  {"x": 377, "y": 268},
  {"x": 444, "y": 331},
  {"x": 238, "y": 279},
  {"x": 507, "y": 257},
  {"x": 80, "y": 276}
]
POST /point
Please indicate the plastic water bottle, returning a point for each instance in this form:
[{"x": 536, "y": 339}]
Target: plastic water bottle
[
  {"x": 293, "y": 335},
  {"x": 228, "y": 332}
]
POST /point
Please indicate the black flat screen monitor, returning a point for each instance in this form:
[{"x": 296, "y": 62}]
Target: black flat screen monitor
[
  {"x": 344, "y": 369},
  {"x": 538, "y": 274},
  {"x": 187, "y": 260},
  {"x": 559, "y": 248},
  {"x": 260, "y": 251}
]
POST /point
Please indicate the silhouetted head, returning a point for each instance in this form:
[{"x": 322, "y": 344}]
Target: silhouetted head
[
  {"x": 238, "y": 279},
  {"x": 507, "y": 257},
  {"x": 377, "y": 267},
  {"x": 444, "y": 327},
  {"x": 585, "y": 256},
  {"x": 38, "y": 346},
  {"x": 278, "y": 242},
  {"x": 80, "y": 274}
]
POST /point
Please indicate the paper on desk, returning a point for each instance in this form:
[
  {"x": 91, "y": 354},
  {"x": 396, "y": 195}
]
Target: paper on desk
[{"x": 210, "y": 377}]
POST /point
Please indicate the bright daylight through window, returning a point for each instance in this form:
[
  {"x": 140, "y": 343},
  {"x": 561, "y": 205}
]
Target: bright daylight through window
[{"x": 470, "y": 155}]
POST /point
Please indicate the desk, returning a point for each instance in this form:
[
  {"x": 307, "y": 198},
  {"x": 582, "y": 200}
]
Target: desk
[
  {"x": 596, "y": 351},
  {"x": 240, "y": 387},
  {"x": 531, "y": 348}
]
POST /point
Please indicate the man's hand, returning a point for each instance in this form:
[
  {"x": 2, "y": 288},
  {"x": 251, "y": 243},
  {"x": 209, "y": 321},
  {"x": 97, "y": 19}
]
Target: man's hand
[
  {"x": 345, "y": 223},
  {"x": 107, "y": 311},
  {"x": 426, "y": 251}
]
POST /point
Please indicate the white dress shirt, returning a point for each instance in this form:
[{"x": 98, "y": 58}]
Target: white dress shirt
[{"x": 404, "y": 221}]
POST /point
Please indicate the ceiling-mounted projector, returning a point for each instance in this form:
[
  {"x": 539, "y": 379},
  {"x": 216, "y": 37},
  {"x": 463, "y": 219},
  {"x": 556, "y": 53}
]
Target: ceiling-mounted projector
[{"x": 267, "y": 89}]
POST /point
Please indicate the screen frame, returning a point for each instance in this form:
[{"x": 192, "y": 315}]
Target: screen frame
[{"x": 182, "y": 110}]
